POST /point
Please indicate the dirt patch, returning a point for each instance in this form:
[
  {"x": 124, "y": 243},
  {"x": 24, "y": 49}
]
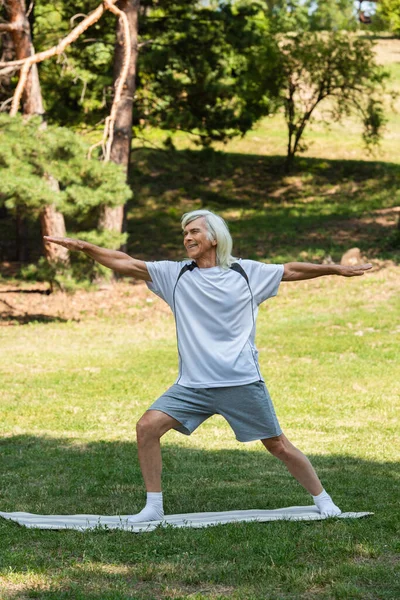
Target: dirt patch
[
  {"x": 22, "y": 304},
  {"x": 388, "y": 560},
  {"x": 387, "y": 51}
]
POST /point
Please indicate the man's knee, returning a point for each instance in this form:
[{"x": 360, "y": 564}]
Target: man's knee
[
  {"x": 279, "y": 447},
  {"x": 152, "y": 425},
  {"x": 147, "y": 426}
]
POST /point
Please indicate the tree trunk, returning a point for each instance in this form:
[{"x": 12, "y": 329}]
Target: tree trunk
[
  {"x": 7, "y": 53},
  {"x": 52, "y": 221},
  {"x": 32, "y": 103},
  {"x": 113, "y": 218},
  {"x": 20, "y": 238}
]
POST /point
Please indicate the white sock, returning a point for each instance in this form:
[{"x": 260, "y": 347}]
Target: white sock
[
  {"x": 325, "y": 505},
  {"x": 153, "y": 511}
]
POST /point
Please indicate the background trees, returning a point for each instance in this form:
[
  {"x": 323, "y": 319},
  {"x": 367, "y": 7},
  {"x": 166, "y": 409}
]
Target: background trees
[
  {"x": 210, "y": 69},
  {"x": 390, "y": 11},
  {"x": 336, "y": 66},
  {"x": 48, "y": 167}
]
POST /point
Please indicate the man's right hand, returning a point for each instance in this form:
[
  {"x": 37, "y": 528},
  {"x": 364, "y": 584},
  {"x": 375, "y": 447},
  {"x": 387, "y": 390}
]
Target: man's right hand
[
  {"x": 113, "y": 259},
  {"x": 68, "y": 243}
]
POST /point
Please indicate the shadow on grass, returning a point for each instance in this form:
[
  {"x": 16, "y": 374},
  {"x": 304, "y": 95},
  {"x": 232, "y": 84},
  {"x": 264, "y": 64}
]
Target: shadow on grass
[
  {"x": 9, "y": 319},
  {"x": 19, "y": 291},
  {"x": 64, "y": 476},
  {"x": 12, "y": 315},
  {"x": 322, "y": 207}
]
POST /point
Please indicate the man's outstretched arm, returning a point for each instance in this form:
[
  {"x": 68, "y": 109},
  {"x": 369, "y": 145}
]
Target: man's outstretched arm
[
  {"x": 113, "y": 259},
  {"x": 296, "y": 271}
]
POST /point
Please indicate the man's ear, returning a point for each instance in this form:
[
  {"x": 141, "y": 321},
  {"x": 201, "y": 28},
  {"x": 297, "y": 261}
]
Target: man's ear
[{"x": 214, "y": 242}]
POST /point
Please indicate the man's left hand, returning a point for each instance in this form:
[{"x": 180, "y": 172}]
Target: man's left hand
[{"x": 350, "y": 271}]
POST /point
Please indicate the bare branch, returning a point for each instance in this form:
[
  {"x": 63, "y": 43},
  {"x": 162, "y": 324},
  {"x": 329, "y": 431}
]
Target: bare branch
[
  {"x": 8, "y": 70},
  {"x": 19, "y": 89},
  {"x": 15, "y": 26},
  {"x": 92, "y": 18},
  {"x": 3, "y": 105},
  {"x": 93, "y": 147},
  {"x": 146, "y": 43},
  {"x": 72, "y": 19},
  {"x": 26, "y": 63},
  {"x": 110, "y": 121},
  {"x": 30, "y": 8},
  {"x": 108, "y": 134}
]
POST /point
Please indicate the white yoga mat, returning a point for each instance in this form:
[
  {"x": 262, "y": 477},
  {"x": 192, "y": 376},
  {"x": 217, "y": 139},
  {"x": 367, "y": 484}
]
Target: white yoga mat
[{"x": 195, "y": 520}]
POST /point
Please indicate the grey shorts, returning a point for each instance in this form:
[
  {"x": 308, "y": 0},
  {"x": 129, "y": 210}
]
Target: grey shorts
[{"x": 247, "y": 408}]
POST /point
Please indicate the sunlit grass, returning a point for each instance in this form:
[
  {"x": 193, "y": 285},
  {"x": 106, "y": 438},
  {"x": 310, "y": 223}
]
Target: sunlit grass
[
  {"x": 72, "y": 392},
  {"x": 340, "y": 141}
]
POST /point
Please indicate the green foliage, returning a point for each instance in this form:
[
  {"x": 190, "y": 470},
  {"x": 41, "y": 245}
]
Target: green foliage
[
  {"x": 335, "y": 66},
  {"x": 207, "y": 74},
  {"x": 373, "y": 120},
  {"x": 42, "y": 165},
  {"x": 43, "y": 270},
  {"x": 83, "y": 268},
  {"x": 33, "y": 157},
  {"x": 82, "y": 76},
  {"x": 201, "y": 73},
  {"x": 390, "y": 11},
  {"x": 209, "y": 69},
  {"x": 288, "y": 15},
  {"x": 332, "y": 15}
]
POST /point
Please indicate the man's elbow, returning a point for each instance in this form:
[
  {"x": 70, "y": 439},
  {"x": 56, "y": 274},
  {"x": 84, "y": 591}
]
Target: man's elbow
[{"x": 289, "y": 273}]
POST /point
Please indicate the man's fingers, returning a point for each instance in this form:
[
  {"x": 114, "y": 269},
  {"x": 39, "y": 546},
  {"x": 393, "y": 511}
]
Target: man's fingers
[
  {"x": 362, "y": 268},
  {"x": 68, "y": 243},
  {"x": 357, "y": 270}
]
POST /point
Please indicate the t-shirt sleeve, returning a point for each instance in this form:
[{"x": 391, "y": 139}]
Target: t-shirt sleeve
[
  {"x": 264, "y": 279},
  {"x": 164, "y": 274}
]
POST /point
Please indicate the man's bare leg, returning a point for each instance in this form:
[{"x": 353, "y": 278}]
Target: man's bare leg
[
  {"x": 150, "y": 428},
  {"x": 300, "y": 467}
]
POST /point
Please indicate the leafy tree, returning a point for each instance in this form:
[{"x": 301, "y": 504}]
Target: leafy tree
[
  {"x": 335, "y": 66},
  {"x": 390, "y": 11},
  {"x": 199, "y": 67},
  {"x": 332, "y": 15},
  {"x": 32, "y": 156},
  {"x": 17, "y": 27},
  {"x": 205, "y": 74},
  {"x": 83, "y": 75},
  {"x": 287, "y": 15}
]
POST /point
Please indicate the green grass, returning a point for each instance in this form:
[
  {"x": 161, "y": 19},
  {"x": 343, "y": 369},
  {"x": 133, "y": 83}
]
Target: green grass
[
  {"x": 321, "y": 209},
  {"x": 71, "y": 393}
]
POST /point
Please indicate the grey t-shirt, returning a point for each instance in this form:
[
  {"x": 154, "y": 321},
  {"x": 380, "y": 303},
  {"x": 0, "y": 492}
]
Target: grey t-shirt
[{"x": 215, "y": 312}]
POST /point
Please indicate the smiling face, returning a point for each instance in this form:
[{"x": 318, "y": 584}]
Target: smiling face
[{"x": 198, "y": 245}]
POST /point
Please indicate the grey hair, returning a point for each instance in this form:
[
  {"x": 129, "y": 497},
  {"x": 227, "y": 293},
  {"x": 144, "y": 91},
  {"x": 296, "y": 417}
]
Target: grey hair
[{"x": 218, "y": 231}]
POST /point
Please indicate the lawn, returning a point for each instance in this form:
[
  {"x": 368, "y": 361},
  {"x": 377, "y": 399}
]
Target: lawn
[
  {"x": 77, "y": 371},
  {"x": 70, "y": 397}
]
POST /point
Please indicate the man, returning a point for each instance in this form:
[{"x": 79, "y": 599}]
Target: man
[{"x": 215, "y": 299}]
